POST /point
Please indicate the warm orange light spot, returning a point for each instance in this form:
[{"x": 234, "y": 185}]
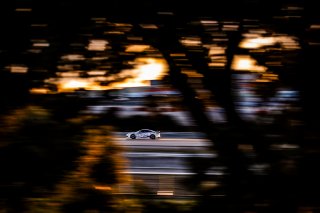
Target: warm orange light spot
[
  {"x": 39, "y": 91},
  {"x": 215, "y": 50},
  {"x": 137, "y": 48},
  {"x": 75, "y": 84},
  {"x": 66, "y": 85},
  {"x": 145, "y": 70},
  {"x": 217, "y": 64},
  {"x": 106, "y": 188}
]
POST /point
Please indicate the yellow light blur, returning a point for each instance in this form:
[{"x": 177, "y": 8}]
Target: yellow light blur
[
  {"x": 74, "y": 84},
  {"x": 287, "y": 42},
  {"x": 137, "y": 48},
  {"x": 145, "y": 69},
  {"x": 150, "y": 71},
  {"x": 246, "y": 63},
  {"x": 254, "y": 43}
]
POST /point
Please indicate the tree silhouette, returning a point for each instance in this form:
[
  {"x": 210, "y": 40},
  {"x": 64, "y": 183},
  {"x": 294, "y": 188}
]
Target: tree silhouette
[{"x": 36, "y": 152}]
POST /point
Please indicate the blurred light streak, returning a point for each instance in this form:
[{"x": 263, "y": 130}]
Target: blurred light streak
[
  {"x": 165, "y": 193},
  {"x": 145, "y": 69},
  {"x": 39, "y": 25},
  {"x": 36, "y": 51},
  {"x": 69, "y": 74},
  {"x": 104, "y": 188},
  {"x": 137, "y": 48},
  {"x": 74, "y": 84},
  {"x": 246, "y": 63},
  {"x": 66, "y": 67},
  {"x": 134, "y": 38},
  {"x": 39, "y": 91},
  {"x": 44, "y": 44},
  {"x": 130, "y": 83},
  {"x": 18, "y": 69},
  {"x": 315, "y": 26},
  {"x": 177, "y": 54},
  {"x": 97, "y": 45},
  {"x": 192, "y": 74},
  {"x": 23, "y": 9},
  {"x": 209, "y": 22},
  {"x": 73, "y": 57},
  {"x": 269, "y": 76},
  {"x": 114, "y": 32},
  {"x": 97, "y": 72},
  {"x": 149, "y": 26},
  {"x": 252, "y": 43},
  {"x": 191, "y": 41},
  {"x": 230, "y": 27},
  {"x": 215, "y": 64},
  {"x": 99, "y": 58},
  {"x": 151, "y": 70},
  {"x": 287, "y": 42},
  {"x": 216, "y": 50}
]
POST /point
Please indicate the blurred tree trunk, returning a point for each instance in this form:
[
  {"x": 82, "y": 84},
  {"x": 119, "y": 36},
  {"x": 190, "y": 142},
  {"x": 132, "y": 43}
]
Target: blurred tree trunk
[{"x": 224, "y": 141}]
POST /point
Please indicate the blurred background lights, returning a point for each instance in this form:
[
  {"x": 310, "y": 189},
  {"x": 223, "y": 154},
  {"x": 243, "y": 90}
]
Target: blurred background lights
[
  {"x": 246, "y": 63},
  {"x": 97, "y": 45}
]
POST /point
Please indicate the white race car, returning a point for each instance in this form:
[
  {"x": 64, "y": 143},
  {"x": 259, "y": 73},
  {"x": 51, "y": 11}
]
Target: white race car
[{"x": 144, "y": 133}]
